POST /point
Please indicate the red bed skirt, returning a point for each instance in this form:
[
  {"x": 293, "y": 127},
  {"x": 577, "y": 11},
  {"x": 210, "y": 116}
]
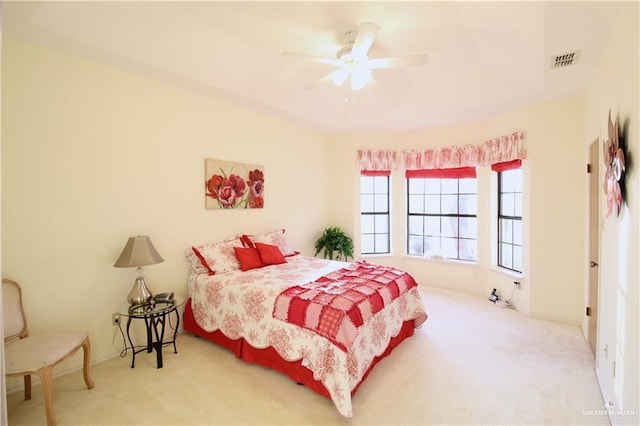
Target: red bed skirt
[{"x": 269, "y": 358}]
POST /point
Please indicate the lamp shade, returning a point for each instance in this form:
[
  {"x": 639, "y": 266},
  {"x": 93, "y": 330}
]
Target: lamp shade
[{"x": 139, "y": 251}]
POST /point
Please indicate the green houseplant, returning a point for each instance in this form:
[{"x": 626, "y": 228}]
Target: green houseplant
[{"x": 334, "y": 241}]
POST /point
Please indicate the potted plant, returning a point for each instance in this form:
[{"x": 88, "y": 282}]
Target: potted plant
[{"x": 335, "y": 241}]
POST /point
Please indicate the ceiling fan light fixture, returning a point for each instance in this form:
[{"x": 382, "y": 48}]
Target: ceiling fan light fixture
[{"x": 353, "y": 60}]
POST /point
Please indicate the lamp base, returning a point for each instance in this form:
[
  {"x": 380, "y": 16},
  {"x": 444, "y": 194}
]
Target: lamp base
[{"x": 139, "y": 294}]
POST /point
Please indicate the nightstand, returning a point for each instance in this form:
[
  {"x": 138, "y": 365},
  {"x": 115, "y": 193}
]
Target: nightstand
[{"x": 155, "y": 318}]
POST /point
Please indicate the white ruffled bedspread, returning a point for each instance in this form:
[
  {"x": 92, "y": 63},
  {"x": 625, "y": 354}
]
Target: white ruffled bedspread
[{"x": 240, "y": 305}]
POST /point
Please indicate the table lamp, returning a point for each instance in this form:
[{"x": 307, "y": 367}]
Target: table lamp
[{"x": 138, "y": 252}]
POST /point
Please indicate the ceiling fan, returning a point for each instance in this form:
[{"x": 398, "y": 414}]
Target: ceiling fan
[{"x": 353, "y": 62}]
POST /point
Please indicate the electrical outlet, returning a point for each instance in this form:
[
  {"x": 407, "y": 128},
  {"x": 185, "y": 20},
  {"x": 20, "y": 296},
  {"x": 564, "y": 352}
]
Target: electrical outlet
[{"x": 115, "y": 319}]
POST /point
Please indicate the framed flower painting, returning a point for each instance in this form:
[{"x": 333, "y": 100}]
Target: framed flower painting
[{"x": 230, "y": 185}]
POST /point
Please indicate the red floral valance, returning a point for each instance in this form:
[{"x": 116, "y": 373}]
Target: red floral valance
[
  {"x": 376, "y": 160},
  {"x": 498, "y": 150}
]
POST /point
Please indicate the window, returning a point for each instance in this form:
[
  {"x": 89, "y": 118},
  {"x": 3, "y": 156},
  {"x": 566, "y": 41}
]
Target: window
[
  {"x": 374, "y": 213},
  {"x": 509, "y": 215},
  {"x": 442, "y": 208}
]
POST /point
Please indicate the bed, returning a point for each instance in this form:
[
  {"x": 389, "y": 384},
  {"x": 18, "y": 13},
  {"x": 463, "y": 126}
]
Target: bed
[{"x": 258, "y": 298}]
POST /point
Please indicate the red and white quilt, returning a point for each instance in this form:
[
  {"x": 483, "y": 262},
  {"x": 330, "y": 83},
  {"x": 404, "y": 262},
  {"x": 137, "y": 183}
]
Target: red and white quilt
[
  {"x": 241, "y": 304},
  {"x": 336, "y": 305}
]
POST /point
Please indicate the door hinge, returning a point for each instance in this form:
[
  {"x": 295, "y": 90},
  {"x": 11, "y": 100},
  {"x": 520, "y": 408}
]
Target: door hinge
[
  {"x": 588, "y": 311},
  {"x": 588, "y": 168}
]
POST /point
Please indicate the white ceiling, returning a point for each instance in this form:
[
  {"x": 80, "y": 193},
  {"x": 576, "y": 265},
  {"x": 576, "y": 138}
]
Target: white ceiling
[{"x": 484, "y": 57}]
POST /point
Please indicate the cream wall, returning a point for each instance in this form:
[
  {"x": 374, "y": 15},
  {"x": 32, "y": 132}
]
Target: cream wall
[
  {"x": 92, "y": 155},
  {"x": 615, "y": 87},
  {"x": 554, "y": 171}
]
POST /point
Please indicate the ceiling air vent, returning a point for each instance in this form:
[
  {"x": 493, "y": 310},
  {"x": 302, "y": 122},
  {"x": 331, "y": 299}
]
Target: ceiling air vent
[{"x": 564, "y": 60}]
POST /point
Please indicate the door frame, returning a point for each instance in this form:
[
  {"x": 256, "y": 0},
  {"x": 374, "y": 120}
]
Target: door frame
[{"x": 593, "y": 237}]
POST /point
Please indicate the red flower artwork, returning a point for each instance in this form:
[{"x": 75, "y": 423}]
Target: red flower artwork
[
  {"x": 256, "y": 185},
  {"x": 234, "y": 190}
]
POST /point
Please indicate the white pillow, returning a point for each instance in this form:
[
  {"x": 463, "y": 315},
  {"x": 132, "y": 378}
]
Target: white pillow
[
  {"x": 276, "y": 238},
  {"x": 219, "y": 258}
]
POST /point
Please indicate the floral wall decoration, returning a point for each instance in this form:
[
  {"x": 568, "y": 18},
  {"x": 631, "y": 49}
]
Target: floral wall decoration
[
  {"x": 230, "y": 185},
  {"x": 615, "y": 168}
]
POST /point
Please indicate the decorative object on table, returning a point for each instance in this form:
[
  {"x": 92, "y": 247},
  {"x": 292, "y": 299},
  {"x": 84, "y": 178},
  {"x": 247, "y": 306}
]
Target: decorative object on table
[
  {"x": 230, "y": 185},
  {"x": 614, "y": 162},
  {"x": 334, "y": 241},
  {"x": 139, "y": 252},
  {"x": 163, "y": 297}
]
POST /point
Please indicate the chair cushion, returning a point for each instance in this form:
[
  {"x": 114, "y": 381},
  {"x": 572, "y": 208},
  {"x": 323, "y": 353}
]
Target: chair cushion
[{"x": 34, "y": 352}]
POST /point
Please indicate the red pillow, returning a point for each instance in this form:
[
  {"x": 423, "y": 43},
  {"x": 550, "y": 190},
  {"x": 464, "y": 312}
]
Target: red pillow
[
  {"x": 249, "y": 258},
  {"x": 270, "y": 254},
  {"x": 246, "y": 241}
]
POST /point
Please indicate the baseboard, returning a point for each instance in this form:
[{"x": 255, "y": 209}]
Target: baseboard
[{"x": 57, "y": 372}]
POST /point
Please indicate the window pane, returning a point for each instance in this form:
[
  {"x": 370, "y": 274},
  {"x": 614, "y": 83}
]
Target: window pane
[
  {"x": 505, "y": 256},
  {"x": 506, "y": 230},
  {"x": 416, "y": 186},
  {"x": 380, "y": 203},
  {"x": 510, "y": 230},
  {"x": 366, "y": 203},
  {"x": 366, "y": 224},
  {"x": 381, "y": 184},
  {"x": 415, "y": 225},
  {"x": 449, "y": 248},
  {"x": 507, "y": 181},
  {"x": 506, "y": 205},
  {"x": 366, "y": 242},
  {"x": 416, "y": 203},
  {"x": 374, "y": 213},
  {"x": 517, "y": 232},
  {"x": 382, "y": 243},
  {"x": 431, "y": 186},
  {"x": 432, "y": 246},
  {"x": 449, "y": 186},
  {"x": 468, "y": 227},
  {"x": 517, "y": 258},
  {"x": 469, "y": 204},
  {"x": 382, "y": 223},
  {"x": 366, "y": 184},
  {"x": 432, "y": 226},
  {"x": 518, "y": 205},
  {"x": 468, "y": 249},
  {"x": 432, "y": 204},
  {"x": 469, "y": 186},
  {"x": 416, "y": 245},
  {"x": 449, "y": 204},
  {"x": 450, "y": 227},
  {"x": 517, "y": 180},
  {"x": 443, "y": 224}
]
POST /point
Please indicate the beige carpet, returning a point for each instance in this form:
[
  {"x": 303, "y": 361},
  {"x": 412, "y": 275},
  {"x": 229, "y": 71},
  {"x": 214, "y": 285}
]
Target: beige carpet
[{"x": 470, "y": 363}]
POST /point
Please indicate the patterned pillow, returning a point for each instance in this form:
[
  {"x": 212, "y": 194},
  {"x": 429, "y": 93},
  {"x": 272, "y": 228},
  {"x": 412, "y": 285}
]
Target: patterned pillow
[
  {"x": 275, "y": 238},
  {"x": 194, "y": 261},
  {"x": 220, "y": 257}
]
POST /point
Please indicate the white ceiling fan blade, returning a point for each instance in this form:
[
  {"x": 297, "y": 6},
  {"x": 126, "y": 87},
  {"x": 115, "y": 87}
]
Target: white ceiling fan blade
[
  {"x": 366, "y": 34},
  {"x": 396, "y": 62},
  {"x": 311, "y": 58},
  {"x": 337, "y": 77}
]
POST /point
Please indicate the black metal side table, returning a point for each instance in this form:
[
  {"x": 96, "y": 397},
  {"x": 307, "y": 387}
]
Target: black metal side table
[{"x": 155, "y": 318}]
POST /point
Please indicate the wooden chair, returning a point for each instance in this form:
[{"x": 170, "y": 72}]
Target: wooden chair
[{"x": 25, "y": 355}]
